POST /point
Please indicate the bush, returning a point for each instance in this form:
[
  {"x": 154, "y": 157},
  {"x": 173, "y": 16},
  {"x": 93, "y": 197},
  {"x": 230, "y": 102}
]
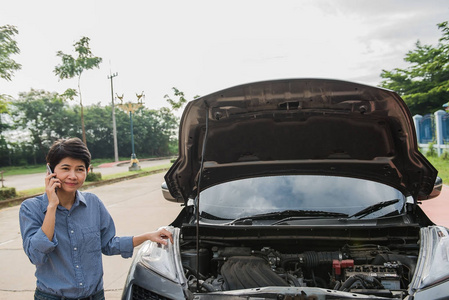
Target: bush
[
  {"x": 431, "y": 150},
  {"x": 7, "y": 193},
  {"x": 445, "y": 155},
  {"x": 93, "y": 176}
]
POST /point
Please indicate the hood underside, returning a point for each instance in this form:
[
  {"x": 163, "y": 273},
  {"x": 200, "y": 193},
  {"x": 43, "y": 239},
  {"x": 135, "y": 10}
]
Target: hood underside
[{"x": 299, "y": 126}]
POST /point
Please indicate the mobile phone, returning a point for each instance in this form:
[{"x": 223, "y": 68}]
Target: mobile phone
[{"x": 49, "y": 170}]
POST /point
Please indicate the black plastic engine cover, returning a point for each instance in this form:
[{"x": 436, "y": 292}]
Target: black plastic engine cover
[{"x": 242, "y": 272}]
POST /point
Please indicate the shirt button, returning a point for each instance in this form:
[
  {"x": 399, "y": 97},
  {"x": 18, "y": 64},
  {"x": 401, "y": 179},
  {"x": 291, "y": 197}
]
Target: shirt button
[
  {"x": 75, "y": 248},
  {"x": 81, "y": 283},
  {"x": 71, "y": 231},
  {"x": 77, "y": 266}
]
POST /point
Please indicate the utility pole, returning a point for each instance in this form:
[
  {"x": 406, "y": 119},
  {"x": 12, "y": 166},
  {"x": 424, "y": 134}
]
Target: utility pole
[{"x": 114, "y": 128}]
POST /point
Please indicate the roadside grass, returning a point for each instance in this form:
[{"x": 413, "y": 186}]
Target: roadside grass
[
  {"x": 23, "y": 170},
  {"x": 128, "y": 173},
  {"x": 442, "y": 165},
  {"x": 29, "y": 192}
]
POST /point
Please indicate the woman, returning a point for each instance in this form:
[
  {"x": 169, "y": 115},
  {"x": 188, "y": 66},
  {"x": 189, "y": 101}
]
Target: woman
[{"x": 64, "y": 231}]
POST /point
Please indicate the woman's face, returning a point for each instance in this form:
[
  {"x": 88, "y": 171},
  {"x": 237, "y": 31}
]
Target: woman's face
[{"x": 71, "y": 172}]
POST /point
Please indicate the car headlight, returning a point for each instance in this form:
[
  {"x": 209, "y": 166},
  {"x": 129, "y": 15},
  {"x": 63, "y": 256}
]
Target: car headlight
[
  {"x": 162, "y": 259},
  {"x": 433, "y": 262}
]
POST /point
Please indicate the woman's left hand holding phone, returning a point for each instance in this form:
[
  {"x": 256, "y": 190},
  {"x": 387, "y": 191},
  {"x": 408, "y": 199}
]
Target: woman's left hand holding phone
[{"x": 51, "y": 185}]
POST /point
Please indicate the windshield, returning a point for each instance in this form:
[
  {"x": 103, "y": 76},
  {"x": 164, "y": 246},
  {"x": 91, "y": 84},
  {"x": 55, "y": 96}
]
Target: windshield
[{"x": 261, "y": 195}]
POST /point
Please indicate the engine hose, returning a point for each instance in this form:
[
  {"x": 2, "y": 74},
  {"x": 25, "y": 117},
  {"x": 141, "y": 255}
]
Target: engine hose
[
  {"x": 365, "y": 280},
  {"x": 207, "y": 286},
  {"x": 293, "y": 279},
  {"x": 348, "y": 283},
  {"x": 194, "y": 272},
  {"x": 311, "y": 258}
]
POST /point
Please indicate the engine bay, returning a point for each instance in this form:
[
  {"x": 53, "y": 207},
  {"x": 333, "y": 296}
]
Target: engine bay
[{"x": 382, "y": 267}]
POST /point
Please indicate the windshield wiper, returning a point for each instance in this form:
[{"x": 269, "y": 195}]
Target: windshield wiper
[
  {"x": 285, "y": 215},
  {"x": 373, "y": 208},
  {"x": 205, "y": 215}
]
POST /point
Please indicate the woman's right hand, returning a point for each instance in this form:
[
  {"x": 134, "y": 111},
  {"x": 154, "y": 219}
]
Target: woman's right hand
[{"x": 51, "y": 183}]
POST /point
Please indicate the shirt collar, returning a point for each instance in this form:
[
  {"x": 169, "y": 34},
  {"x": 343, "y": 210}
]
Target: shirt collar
[{"x": 79, "y": 199}]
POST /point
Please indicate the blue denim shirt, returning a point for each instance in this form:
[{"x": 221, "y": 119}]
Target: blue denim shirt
[{"x": 71, "y": 264}]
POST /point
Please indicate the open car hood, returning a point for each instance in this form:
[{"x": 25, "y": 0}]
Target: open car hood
[{"x": 299, "y": 126}]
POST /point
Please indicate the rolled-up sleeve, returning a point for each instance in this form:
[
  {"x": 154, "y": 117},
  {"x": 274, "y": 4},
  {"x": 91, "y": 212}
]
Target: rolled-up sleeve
[
  {"x": 35, "y": 243},
  {"x": 119, "y": 245}
]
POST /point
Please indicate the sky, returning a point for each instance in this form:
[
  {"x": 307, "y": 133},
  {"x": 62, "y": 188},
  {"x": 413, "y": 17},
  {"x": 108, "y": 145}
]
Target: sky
[{"x": 201, "y": 47}]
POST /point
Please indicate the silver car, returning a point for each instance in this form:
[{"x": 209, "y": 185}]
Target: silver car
[{"x": 297, "y": 189}]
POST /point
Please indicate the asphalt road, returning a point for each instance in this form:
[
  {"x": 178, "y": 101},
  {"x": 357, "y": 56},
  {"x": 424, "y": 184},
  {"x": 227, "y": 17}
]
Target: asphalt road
[{"x": 137, "y": 206}]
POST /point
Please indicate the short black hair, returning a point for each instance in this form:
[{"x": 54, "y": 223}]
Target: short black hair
[{"x": 72, "y": 147}]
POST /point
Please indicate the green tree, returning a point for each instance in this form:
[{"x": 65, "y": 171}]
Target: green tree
[
  {"x": 154, "y": 130},
  {"x": 177, "y": 104},
  {"x": 170, "y": 120},
  {"x": 74, "y": 67},
  {"x": 8, "y": 47},
  {"x": 44, "y": 117},
  {"x": 99, "y": 131},
  {"x": 424, "y": 85},
  {"x": 41, "y": 117}
]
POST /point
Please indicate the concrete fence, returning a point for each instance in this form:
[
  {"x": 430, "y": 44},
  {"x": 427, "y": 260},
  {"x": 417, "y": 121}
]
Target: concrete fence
[{"x": 433, "y": 128}]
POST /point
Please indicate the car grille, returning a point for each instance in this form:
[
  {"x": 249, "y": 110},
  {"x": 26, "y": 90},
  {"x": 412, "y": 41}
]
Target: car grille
[{"x": 139, "y": 293}]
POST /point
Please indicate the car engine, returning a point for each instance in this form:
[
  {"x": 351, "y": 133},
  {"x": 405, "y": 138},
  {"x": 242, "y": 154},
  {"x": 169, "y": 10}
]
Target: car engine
[{"x": 375, "y": 269}]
